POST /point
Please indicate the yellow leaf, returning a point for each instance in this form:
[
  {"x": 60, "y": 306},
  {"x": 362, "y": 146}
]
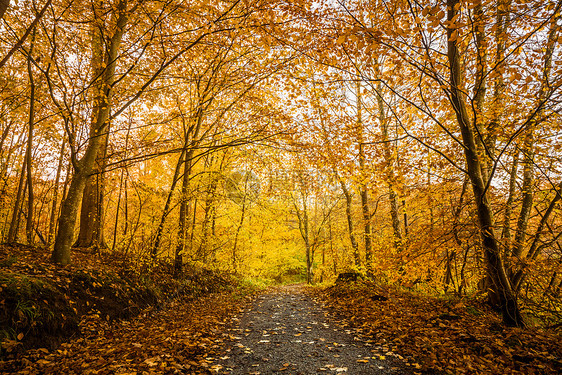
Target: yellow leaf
[{"x": 454, "y": 36}]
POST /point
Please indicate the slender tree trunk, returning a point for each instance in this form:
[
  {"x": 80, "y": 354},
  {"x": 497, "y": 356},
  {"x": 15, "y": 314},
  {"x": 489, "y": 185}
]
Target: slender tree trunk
[
  {"x": 405, "y": 215},
  {"x": 502, "y": 23},
  {"x": 452, "y": 255},
  {"x": 480, "y": 87},
  {"x": 458, "y": 211},
  {"x": 534, "y": 248},
  {"x": 367, "y": 227},
  {"x": 122, "y": 181},
  {"x": 305, "y": 232},
  {"x": 506, "y": 231},
  {"x": 54, "y": 210},
  {"x": 449, "y": 258},
  {"x": 527, "y": 193},
  {"x": 116, "y": 224},
  {"x": 191, "y": 136},
  {"x": 183, "y": 217},
  {"x": 28, "y": 152},
  {"x": 13, "y": 230},
  {"x": 390, "y": 162},
  {"x": 91, "y": 234},
  {"x": 430, "y": 196},
  {"x": 367, "y": 235},
  {"x": 330, "y": 233},
  {"x": 237, "y": 234},
  {"x": 323, "y": 264},
  {"x": 307, "y": 243},
  {"x": 529, "y": 149},
  {"x": 166, "y": 210},
  {"x": 193, "y": 224},
  {"x": 501, "y": 289},
  {"x": 349, "y": 216},
  {"x": 209, "y": 209},
  {"x": 462, "y": 280},
  {"x": 84, "y": 167},
  {"x": 126, "y": 204}
]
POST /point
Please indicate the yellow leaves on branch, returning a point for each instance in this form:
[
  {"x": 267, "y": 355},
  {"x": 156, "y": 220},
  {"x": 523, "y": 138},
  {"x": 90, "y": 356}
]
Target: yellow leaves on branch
[{"x": 454, "y": 36}]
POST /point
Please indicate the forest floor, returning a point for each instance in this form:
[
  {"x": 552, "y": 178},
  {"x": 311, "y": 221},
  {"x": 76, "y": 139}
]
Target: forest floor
[
  {"x": 103, "y": 316},
  {"x": 442, "y": 335}
]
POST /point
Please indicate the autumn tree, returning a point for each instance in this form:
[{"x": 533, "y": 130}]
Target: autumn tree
[{"x": 463, "y": 83}]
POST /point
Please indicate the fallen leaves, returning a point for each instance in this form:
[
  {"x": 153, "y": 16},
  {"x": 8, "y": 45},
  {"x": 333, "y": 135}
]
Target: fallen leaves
[
  {"x": 434, "y": 335},
  {"x": 182, "y": 339}
]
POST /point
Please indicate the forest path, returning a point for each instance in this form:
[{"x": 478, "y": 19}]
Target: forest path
[{"x": 286, "y": 331}]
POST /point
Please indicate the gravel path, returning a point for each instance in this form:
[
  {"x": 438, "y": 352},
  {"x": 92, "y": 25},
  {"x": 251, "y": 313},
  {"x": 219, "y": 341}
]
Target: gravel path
[{"x": 286, "y": 332}]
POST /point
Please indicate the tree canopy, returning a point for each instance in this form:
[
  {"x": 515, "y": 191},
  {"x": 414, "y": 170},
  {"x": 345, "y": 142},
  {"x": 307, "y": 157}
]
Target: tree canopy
[{"x": 417, "y": 143}]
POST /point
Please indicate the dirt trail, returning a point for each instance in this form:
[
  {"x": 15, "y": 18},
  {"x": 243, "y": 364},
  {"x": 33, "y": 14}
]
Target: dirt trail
[{"x": 286, "y": 332}]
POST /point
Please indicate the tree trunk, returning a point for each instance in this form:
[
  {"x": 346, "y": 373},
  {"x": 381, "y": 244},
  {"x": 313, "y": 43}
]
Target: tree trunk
[
  {"x": 183, "y": 217},
  {"x": 69, "y": 213},
  {"x": 13, "y": 230},
  {"x": 481, "y": 73},
  {"x": 116, "y": 224},
  {"x": 450, "y": 257},
  {"x": 405, "y": 215},
  {"x": 91, "y": 214},
  {"x": 84, "y": 166},
  {"x": 527, "y": 193},
  {"x": 348, "y": 213},
  {"x": 506, "y": 231},
  {"x": 500, "y": 290},
  {"x": 90, "y": 234},
  {"x": 54, "y": 210},
  {"x": 28, "y": 152},
  {"x": 210, "y": 209},
  {"x": 307, "y": 243},
  {"x": 238, "y": 229},
  {"x": 367, "y": 227},
  {"x": 122, "y": 179},
  {"x": 534, "y": 249},
  {"x": 390, "y": 162},
  {"x": 502, "y": 23},
  {"x": 430, "y": 197},
  {"x": 305, "y": 233},
  {"x": 166, "y": 210},
  {"x": 191, "y": 139},
  {"x": 3, "y": 6},
  {"x": 529, "y": 153},
  {"x": 363, "y": 186}
]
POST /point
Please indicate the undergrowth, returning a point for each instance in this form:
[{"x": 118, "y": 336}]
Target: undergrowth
[{"x": 43, "y": 305}]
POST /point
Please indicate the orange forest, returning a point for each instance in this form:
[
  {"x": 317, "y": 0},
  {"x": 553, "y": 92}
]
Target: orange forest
[{"x": 266, "y": 186}]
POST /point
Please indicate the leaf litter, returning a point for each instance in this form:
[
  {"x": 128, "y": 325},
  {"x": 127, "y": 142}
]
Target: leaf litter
[{"x": 441, "y": 336}]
